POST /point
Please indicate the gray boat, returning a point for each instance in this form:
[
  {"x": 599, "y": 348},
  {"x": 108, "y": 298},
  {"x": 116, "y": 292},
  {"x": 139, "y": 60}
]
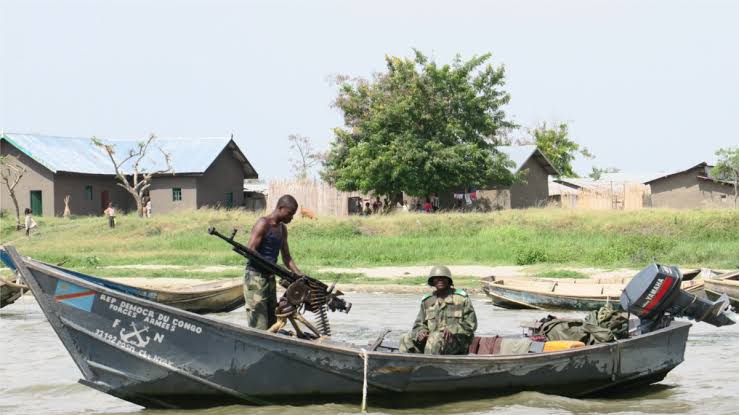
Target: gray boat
[{"x": 163, "y": 357}]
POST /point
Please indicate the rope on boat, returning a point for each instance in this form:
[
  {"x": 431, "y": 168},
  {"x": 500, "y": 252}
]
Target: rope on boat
[{"x": 365, "y": 357}]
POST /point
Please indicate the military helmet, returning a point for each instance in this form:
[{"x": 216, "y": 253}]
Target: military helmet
[{"x": 440, "y": 271}]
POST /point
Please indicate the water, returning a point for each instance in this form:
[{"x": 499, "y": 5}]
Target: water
[{"x": 38, "y": 376}]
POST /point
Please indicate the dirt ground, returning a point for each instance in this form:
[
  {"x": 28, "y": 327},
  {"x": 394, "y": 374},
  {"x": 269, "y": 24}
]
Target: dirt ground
[
  {"x": 479, "y": 271},
  {"x": 512, "y": 271}
]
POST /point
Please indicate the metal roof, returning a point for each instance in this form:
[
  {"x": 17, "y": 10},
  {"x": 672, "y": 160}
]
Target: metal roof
[
  {"x": 702, "y": 165},
  {"x": 521, "y": 154},
  {"x": 79, "y": 155}
]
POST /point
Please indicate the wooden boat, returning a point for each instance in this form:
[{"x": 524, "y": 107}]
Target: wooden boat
[
  {"x": 162, "y": 357},
  {"x": 210, "y": 297},
  {"x": 10, "y": 292},
  {"x": 724, "y": 284},
  {"x": 562, "y": 294}
]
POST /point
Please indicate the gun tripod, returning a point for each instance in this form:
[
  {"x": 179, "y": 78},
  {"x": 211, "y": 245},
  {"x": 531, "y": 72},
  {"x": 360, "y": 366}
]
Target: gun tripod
[{"x": 287, "y": 310}]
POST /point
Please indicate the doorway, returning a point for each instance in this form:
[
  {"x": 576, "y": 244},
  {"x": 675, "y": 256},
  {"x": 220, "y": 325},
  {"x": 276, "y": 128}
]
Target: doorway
[
  {"x": 104, "y": 200},
  {"x": 36, "y": 203}
]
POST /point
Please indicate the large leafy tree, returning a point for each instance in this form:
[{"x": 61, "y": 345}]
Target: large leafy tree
[
  {"x": 420, "y": 127},
  {"x": 727, "y": 168},
  {"x": 557, "y": 146}
]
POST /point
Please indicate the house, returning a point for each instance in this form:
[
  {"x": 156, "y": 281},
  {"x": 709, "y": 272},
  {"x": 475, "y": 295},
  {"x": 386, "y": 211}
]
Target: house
[
  {"x": 207, "y": 172},
  {"x": 690, "y": 189},
  {"x": 531, "y": 191}
]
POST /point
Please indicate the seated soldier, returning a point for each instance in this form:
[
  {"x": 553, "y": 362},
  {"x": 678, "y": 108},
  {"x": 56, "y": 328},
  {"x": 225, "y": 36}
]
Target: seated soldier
[{"x": 446, "y": 322}]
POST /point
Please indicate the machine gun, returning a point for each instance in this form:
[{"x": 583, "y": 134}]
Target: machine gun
[{"x": 302, "y": 291}]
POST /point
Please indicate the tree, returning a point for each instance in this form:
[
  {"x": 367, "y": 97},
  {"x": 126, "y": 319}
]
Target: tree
[
  {"x": 727, "y": 168},
  {"x": 596, "y": 172},
  {"x": 11, "y": 173},
  {"x": 557, "y": 147},
  {"x": 419, "y": 127},
  {"x": 305, "y": 157},
  {"x": 138, "y": 179}
]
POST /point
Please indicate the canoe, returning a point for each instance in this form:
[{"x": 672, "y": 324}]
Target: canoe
[
  {"x": 210, "y": 297},
  {"x": 158, "y": 356},
  {"x": 10, "y": 292},
  {"x": 562, "y": 294},
  {"x": 724, "y": 284}
]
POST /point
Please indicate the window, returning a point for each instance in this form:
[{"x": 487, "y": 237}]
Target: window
[
  {"x": 88, "y": 192},
  {"x": 229, "y": 200},
  {"x": 176, "y": 194}
]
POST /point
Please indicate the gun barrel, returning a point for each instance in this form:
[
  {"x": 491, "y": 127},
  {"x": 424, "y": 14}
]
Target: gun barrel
[{"x": 320, "y": 291}]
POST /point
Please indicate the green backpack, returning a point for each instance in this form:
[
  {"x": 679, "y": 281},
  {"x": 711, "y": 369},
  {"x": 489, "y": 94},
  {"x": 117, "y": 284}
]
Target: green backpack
[{"x": 604, "y": 325}]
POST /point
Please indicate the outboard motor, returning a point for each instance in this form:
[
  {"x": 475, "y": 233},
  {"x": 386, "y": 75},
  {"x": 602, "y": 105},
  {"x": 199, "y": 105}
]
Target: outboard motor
[{"x": 654, "y": 295}]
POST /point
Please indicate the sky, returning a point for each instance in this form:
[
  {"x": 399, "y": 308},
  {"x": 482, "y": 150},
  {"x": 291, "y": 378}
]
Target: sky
[{"x": 646, "y": 86}]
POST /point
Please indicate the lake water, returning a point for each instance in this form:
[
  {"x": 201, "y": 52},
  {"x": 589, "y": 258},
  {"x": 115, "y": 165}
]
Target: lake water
[{"x": 37, "y": 376}]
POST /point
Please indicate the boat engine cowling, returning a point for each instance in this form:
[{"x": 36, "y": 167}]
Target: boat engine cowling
[{"x": 654, "y": 295}]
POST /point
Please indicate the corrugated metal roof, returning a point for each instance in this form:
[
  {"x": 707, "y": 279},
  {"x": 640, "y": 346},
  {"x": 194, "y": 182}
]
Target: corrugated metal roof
[
  {"x": 79, "y": 155},
  {"x": 557, "y": 189},
  {"x": 702, "y": 164},
  {"x": 521, "y": 154}
]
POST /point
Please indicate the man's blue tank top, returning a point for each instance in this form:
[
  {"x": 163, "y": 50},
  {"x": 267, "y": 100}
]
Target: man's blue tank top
[{"x": 271, "y": 243}]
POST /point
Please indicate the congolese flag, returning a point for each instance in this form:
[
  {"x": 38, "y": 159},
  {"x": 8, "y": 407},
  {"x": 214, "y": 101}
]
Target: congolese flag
[{"x": 74, "y": 295}]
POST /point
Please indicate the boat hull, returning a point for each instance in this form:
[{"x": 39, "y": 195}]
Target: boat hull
[
  {"x": 518, "y": 298},
  {"x": 162, "y": 357},
  {"x": 8, "y": 293},
  {"x": 201, "y": 299},
  {"x": 715, "y": 288}
]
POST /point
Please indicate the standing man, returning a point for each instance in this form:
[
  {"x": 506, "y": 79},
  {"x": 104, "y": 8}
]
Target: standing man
[
  {"x": 269, "y": 238},
  {"x": 110, "y": 213},
  {"x": 446, "y": 322}
]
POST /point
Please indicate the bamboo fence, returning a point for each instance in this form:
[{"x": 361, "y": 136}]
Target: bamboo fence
[
  {"x": 318, "y": 196},
  {"x": 622, "y": 196}
]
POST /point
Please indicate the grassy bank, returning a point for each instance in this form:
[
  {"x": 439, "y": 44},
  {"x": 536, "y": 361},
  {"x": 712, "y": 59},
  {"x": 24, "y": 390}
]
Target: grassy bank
[{"x": 535, "y": 236}]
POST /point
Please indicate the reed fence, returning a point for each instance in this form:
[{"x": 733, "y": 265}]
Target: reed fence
[
  {"x": 318, "y": 196},
  {"x": 620, "y": 196}
]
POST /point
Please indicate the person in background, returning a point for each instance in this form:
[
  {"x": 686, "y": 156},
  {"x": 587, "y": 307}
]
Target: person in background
[
  {"x": 367, "y": 209},
  {"x": 147, "y": 207},
  {"x": 30, "y": 223},
  {"x": 376, "y": 205},
  {"x": 269, "y": 238},
  {"x": 404, "y": 207},
  {"x": 446, "y": 322},
  {"x": 110, "y": 213},
  {"x": 427, "y": 207},
  {"x": 435, "y": 202}
]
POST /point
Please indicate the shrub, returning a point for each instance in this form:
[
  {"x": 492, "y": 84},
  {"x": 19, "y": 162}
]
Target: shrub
[
  {"x": 530, "y": 255},
  {"x": 92, "y": 261}
]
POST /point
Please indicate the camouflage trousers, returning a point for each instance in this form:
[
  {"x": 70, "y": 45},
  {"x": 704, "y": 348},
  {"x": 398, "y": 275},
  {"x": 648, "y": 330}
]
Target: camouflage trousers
[
  {"x": 260, "y": 295},
  {"x": 435, "y": 344}
]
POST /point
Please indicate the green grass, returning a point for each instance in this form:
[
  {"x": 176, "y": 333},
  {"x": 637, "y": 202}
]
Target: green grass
[
  {"x": 561, "y": 273},
  {"x": 696, "y": 238}
]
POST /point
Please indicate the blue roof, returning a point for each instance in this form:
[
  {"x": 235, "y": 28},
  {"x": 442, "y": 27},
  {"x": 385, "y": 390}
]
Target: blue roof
[
  {"x": 521, "y": 154},
  {"x": 79, "y": 155}
]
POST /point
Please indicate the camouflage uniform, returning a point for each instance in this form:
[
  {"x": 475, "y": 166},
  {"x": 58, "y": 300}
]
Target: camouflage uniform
[
  {"x": 260, "y": 295},
  {"x": 455, "y": 313}
]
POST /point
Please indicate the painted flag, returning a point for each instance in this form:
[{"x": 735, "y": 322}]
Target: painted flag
[{"x": 74, "y": 295}]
